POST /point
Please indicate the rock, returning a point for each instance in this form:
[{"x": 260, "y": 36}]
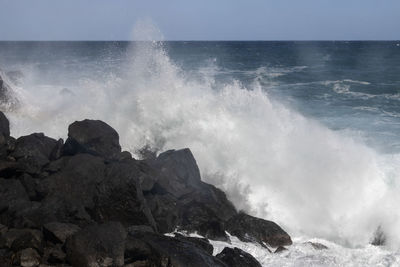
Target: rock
[
  {"x": 56, "y": 153},
  {"x": 29, "y": 184},
  {"x": 97, "y": 245},
  {"x": 11, "y": 191},
  {"x": 234, "y": 257},
  {"x": 17, "y": 238},
  {"x": 94, "y": 137},
  {"x": 57, "y": 232},
  {"x": 317, "y": 246},
  {"x": 8, "y": 100},
  {"x": 54, "y": 255},
  {"x": 34, "y": 151},
  {"x": 28, "y": 239},
  {"x": 249, "y": 229},
  {"x": 280, "y": 249},
  {"x": 29, "y": 258},
  {"x": 140, "y": 228},
  {"x": 4, "y": 123},
  {"x": 68, "y": 194},
  {"x": 160, "y": 250},
  {"x": 9, "y": 169},
  {"x": 3, "y": 229},
  {"x": 379, "y": 238},
  {"x": 119, "y": 196},
  {"x": 202, "y": 243}
]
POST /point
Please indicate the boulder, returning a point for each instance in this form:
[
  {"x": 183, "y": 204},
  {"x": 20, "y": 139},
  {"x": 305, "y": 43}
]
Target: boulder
[
  {"x": 159, "y": 250},
  {"x": 235, "y": 257},
  {"x": 317, "y": 246},
  {"x": 94, "y": 137},
  {"x": 57, "y": 232},
  {"x": 17, "y": 239},
  {"x": 251, "y": 229},
  {"x": 97, "y": 245},
  {"x": 33, "y": 151}
]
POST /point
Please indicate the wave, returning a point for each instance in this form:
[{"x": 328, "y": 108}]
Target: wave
[{"x": 272, "y": 161}]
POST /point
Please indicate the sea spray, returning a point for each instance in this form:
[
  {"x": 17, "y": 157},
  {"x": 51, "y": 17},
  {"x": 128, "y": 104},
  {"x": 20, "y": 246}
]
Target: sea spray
[{"x": 272, "y": 161}]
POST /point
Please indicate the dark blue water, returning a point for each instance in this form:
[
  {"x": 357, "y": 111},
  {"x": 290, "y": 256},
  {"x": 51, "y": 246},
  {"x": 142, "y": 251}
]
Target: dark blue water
[{"x": 348, "y": 86}]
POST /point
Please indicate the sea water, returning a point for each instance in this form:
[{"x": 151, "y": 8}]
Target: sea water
[{"x": 302, "y": 133}]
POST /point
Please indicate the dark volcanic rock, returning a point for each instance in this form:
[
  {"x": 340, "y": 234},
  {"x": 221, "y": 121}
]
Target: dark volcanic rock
[
  {"x": 98, "y": 245},
  {"x": 235, "y": 257},
  {"x": 17, "y": 239},
  {"x": 27, "y": 258},
  {"x": 11, "y": 192},
  {"x": 8, "y": 99},
  {"x": 34, "y": 151},
  {"x": 94, "y": 137},
  {"x": 202, "y": 243},
  {"x": 317, "y": 246},
  {"x": 119, "y": 196},
  {"x": 57, "y": 232},
  {"x": 180, "y": 199},
  {"x": 249, "y": 229},
  {"x": 4, "y": 124},
  {"x": 159, "y": 250}
]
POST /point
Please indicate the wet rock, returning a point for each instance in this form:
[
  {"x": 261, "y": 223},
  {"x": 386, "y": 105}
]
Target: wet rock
[
  {"x": 29, "y": 184},
  {"x": 33, "y": 151},
  {"x": 8, "y": 100},
  {"x": 57, "y": 232},
  {"x": 97, "y": 245},
  {"x": 160, "y": 250},
  {"x": 140, "y": 228},
  {"x": 54, "y": 255},
  {"x": 202, "y": 243},
  {"x": 280, "y": 249},
  {"x": 9, "y": 169},
  {"x": 235, "y": 257},
  {"x": 249, "y": 229},
  {"x": 3, "y": 229},
  {"x": 94, "y": 137}
]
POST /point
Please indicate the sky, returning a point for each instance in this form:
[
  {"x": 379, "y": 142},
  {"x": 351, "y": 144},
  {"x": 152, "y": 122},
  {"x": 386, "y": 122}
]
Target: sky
[{"x": 201, "y": 19}]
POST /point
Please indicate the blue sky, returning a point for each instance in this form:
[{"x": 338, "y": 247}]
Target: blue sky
[{"x": 201, "y": 19}]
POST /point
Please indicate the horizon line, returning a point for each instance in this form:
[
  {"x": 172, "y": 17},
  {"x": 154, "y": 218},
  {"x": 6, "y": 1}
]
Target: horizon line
[{"x": 227, "y": 40}]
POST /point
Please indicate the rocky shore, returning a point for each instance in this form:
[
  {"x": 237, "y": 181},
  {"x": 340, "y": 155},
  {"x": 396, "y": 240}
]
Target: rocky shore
[{"x": 84, "y": 202}]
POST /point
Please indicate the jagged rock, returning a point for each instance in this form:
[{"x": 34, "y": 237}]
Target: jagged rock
[
  {"x": 56, "y": 153},
  {"x": 249, "y": 229},
  {"x": 280, "y": 249},
  {"x": 317, "y": 246},
  {"x": 3, "y": 229},
  {"x": 33, "y": 151},
  {"x": 119, "y": 196},
  {"x": 97, "y": 245},
  {"x": 235, "y": 257},
  {"x": 29, "y": 184},
  {"x": 160, "y": 250},
  {"x": 9, "y": 169},
  {"x": 202, "y": 243},
  {"x": 94, "y": 137},
  {"x": 4, "y": 123},
  {"x": 57, "y": 232}
]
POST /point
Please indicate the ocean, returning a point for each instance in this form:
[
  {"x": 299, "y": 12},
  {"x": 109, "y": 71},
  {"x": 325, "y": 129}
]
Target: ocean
[{"x": 306, "y": 134}]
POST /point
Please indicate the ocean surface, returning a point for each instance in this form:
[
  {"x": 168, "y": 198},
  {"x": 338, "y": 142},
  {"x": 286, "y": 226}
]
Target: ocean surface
[{"x": 303, "y": 133}]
